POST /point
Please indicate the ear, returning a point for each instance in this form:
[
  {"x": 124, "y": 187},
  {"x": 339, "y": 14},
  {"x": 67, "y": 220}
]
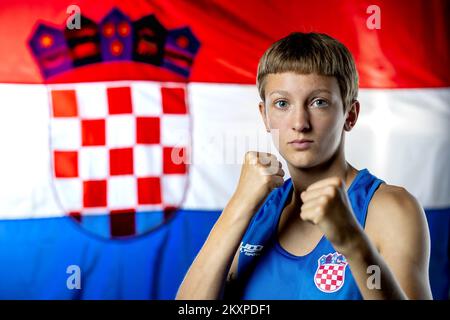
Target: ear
[
  {"x": 352, "y": 116},
  {"x": 262, "y": 111}
]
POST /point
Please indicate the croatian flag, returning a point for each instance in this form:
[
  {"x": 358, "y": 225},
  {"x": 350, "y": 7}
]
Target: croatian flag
[{"x": 123, "y": 127}]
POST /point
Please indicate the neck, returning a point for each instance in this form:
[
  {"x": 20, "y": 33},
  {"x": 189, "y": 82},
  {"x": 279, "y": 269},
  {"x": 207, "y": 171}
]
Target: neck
[{"x": 336, "y": 166}]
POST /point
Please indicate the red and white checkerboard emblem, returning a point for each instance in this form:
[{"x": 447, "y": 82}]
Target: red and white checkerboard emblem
[
  {"x": 119, "y": 149},
  {"x": 330, "y": 273}
]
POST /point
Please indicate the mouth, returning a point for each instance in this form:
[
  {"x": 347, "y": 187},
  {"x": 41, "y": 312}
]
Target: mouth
[{"x": 301, "y": 144}]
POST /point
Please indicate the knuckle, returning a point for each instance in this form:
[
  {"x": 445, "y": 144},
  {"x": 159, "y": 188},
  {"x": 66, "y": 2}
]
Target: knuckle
[
  {"x": 332, "y": 191},
  {"x": 323, "y": 199},
  {"x": 249, "y": 157}
]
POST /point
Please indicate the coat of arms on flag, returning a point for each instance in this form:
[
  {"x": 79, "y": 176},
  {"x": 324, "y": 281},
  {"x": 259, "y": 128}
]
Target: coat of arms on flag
[
  {"x": 119, "y": 149},
  {"x": 330, "y": 273}
]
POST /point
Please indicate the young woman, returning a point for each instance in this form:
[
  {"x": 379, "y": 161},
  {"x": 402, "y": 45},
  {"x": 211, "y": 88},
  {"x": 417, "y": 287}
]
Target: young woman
[{"x": 330, "y": 231}]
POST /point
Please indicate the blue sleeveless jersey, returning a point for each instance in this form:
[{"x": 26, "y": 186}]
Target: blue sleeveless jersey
[{"x": 267, "y": 271}]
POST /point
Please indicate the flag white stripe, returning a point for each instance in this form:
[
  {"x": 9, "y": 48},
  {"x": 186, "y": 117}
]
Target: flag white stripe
[{"x": 402, "y": 136}]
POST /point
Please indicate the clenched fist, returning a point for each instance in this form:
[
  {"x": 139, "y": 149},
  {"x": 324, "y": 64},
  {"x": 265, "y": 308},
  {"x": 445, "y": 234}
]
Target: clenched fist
[
  {"x": 325, "y": 204},
  {"x": 261, "y": 173}
]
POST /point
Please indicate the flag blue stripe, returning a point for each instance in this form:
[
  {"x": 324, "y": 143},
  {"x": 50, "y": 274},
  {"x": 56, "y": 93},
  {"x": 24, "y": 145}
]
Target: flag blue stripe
[
  {"x": 35, "y": 254},
  {"x": 439, "y": 225}
]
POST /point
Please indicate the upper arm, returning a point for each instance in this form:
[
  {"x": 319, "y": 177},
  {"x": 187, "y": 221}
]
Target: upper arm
[{"x": 399, "y": 228}]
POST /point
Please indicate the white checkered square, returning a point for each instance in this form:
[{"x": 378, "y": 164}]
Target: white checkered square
[
  {"x": 146, "y": 99},
  {"x": 93, "y": 163},
  {"x": 92, "y": 101},
  {"x": 147, "y": 160},
  {"x": 120, "y": 131},
  {"x": 122, "y": 192},
  {"x": 171, "y": 186}
]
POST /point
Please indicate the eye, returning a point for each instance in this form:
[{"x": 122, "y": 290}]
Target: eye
[
  {"x": 282, "y": 104},
  {"x": 319, "y": 103}
]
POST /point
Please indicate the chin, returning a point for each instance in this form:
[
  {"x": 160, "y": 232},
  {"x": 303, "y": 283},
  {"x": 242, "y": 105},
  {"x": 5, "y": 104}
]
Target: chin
[{"x": 302, "y": 161}]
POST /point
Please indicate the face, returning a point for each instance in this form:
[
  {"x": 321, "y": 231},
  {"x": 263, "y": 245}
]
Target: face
[{"x": 307, "y": 112}]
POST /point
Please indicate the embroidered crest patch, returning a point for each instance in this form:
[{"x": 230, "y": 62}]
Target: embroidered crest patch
[{"x": 330, "y": 273}]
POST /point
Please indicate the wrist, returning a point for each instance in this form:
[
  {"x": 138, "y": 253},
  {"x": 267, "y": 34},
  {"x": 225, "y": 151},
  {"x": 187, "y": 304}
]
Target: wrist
[
  {"x": 242, "y": 205},
  {"x": 356, "y": 244},
  {"x": 235, "y": 213}
]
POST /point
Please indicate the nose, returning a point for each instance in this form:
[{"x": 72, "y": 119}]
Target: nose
[{"x": 301, "y": 119}]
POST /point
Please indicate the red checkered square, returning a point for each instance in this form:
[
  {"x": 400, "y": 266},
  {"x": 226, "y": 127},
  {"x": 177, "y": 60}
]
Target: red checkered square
[
  {"x": 122, "y": 222},
  {"x": 76, "y": 215},
  {"x": 119, "y": 100},
  {"x": 94, "y": 193},
  {"x": 93, "y": 132},
  {"x": 121, "y": 161},
  {"x": 66, "y": 164},
  {"x": 64, "y": 103},
  {"x": 149, "y": 190},
  {"x": 148, "y": 130},
  {"x": 174, "y": 160},
  {"x": 173, "y": 100}
]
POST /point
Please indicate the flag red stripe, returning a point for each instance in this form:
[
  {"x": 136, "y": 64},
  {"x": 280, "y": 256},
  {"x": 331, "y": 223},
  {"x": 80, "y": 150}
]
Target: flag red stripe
[{"x": 411, "y": 50}]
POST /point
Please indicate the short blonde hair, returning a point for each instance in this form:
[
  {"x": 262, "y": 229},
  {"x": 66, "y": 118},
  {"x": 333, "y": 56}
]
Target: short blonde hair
[{"x": 306, "y": 53}]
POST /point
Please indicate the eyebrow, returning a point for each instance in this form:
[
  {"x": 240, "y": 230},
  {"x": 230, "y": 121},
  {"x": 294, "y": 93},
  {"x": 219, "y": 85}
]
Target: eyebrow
[
  {"x": 321, "y": 90},
  {"x": 282, "y": 92}
]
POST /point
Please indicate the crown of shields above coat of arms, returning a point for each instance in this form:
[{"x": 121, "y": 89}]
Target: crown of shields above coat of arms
[
  {"x": 119, "y": 153},
  {"x": 330, "y": 273}
]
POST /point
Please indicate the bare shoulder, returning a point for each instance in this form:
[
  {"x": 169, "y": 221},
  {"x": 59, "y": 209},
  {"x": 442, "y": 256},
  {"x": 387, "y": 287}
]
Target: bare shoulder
[
  {"x": 395, "y": 202},
  {"x": 394, "y": 214}
]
